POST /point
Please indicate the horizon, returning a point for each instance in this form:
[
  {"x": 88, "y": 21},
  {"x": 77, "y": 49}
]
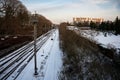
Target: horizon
[{"x": 63, "y": 11}]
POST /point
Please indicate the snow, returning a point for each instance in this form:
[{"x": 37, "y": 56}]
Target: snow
[
  {"x": 108, "y": 41},
  {"x": 49, "y": 62},
  {"x": 113, "y": 40},
  {"x": 72, "y": 28}
]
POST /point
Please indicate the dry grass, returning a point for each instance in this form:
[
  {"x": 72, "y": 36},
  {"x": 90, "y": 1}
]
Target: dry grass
[{"x": 82, "y": 59}]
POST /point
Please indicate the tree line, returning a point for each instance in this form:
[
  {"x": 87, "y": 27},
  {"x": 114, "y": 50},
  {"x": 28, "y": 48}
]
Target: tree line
[
  {"x": 15, "y": 18},
  {"x": 108, "y": 26}
]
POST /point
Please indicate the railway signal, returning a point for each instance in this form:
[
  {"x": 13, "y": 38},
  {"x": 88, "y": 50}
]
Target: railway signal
[{"x": 35, "y": 22}]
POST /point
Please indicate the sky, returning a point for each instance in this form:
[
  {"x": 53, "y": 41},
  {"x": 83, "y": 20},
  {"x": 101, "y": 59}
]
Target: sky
[{"x": 64, "y": 10}]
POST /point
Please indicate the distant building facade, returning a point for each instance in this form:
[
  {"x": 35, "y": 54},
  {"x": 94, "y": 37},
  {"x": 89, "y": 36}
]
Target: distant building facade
[{"x": 87, "y": 19}]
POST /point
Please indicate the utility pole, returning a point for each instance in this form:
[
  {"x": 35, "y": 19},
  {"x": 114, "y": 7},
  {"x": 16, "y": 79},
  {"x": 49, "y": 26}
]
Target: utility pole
[{"x": 35, "y": 21}]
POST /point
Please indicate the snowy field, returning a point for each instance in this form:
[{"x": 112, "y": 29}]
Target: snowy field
[
  {"x": 49, "y": 62},
  {"x": 107, "y": 40}
]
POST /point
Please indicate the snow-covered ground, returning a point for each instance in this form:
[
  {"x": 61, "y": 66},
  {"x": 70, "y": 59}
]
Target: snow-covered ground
[
  {"x": 49, "y": 62},
  {"x": 108, "y": 40}
]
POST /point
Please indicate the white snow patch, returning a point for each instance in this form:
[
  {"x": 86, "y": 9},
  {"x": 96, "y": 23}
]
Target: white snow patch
[
  {"x": 109, "y": 41},
  {"x": 49, "y": 61}
]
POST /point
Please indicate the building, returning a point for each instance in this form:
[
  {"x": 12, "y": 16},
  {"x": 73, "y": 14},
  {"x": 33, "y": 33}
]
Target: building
[{"x": 87, "y": 19}]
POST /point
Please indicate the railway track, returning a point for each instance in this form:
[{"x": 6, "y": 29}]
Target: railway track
[
  {"x": 18, "y": 60},
  {"x": 21, "y": 49}
]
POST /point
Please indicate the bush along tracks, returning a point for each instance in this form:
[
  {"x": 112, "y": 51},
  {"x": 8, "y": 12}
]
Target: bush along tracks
[{"x": 83, "y": 59}]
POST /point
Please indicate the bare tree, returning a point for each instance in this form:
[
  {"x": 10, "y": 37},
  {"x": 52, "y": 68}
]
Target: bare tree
[
  {"x": 9, "y": 7},
  {"x": 22, "y": 15},
  {"x": 12, "y": 11}
]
